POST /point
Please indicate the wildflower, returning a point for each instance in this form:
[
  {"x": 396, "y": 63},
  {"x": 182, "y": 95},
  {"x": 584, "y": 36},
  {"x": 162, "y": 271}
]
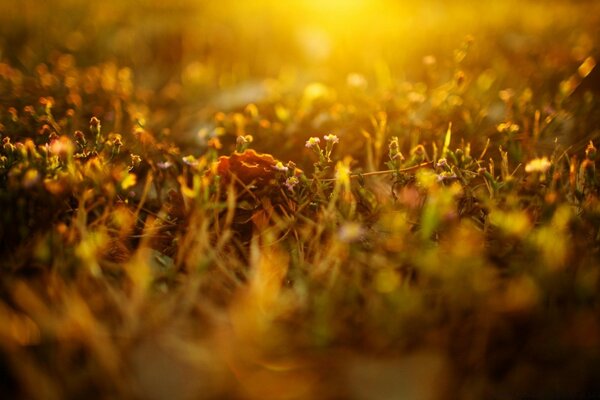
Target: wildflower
[
  {"x": 291, "y": 168},
  {"x": 48, "y": 102},
  {"x": 95, "y": 128},
  {"x": 245, "y": 139},
  {"x": 331, "y": 139},
  {"x": 7, "y": 145},
  {"x": 418, "y": 150},
  {"x": 190, "y": 160},
  {"x": 417, "y": 155},
  {"x": 291, "y": 182},
  {"x": 117, "y": 142},
  {"x": 95, "y": 123},
  {"x": 538, "y": 165},
  {"x": 445, "y": 176},
  {"x": 135, "y": 161},
  {"x": 280, "y": 167},
  {"x": 394, "y": 150},
  {"x": 312, "y": 142},
  {"x": 164, "y": 164},
  {"x": 79, "y": 136},
  {"x": 80, "y": 139}
]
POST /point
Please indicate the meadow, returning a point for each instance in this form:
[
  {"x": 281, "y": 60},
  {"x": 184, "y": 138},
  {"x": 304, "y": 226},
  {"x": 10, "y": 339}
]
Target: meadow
[{"x": 299, "y": 199}]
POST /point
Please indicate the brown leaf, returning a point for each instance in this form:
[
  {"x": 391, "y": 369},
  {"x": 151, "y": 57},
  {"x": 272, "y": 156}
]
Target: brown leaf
[{"x": 249, "y": 167}]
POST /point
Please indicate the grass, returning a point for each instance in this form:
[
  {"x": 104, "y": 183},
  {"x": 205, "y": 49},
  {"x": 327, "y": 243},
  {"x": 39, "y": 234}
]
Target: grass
[{"x": 298, "y": 200}]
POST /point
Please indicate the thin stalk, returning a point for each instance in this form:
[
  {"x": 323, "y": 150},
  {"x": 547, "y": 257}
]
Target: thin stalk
[{"x": 384, "y": 172}]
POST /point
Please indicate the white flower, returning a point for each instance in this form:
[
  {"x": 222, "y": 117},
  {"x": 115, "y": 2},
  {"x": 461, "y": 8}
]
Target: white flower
[
  {"x": 280, "y": 167},
  {"x": 538, "y": 165},
  {"x": 291, "y": 182},
  {"x": 190, "y": 160},
  {"x": 331, "y": 138},
  {"x": 164, "y": 164},
  {"x": 312, "y": 142},
  {"x": 445, "y": 176}
]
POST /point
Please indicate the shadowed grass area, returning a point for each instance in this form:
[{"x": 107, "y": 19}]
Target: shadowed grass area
[{"x": 299, "y": 199}]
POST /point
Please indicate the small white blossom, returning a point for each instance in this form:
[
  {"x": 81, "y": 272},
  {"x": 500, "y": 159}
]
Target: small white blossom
[
  {"x": 445, "y": 176},
  {"x": 331, "y": 138},
  {"x": 291, "y": 182},
  {"x": 538, "y": 165},
  {"x": 280, "y": 167},
  {"x": 312, "y": 142},
  {"x": 164, "y": 164},
  {"x": 190, "y": 160}
]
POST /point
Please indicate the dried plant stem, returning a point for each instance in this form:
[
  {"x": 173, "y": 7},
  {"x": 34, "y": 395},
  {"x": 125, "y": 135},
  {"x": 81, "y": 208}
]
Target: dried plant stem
[{"x": 384, "y": 172}]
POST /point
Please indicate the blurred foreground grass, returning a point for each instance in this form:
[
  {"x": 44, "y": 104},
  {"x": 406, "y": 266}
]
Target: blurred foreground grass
[{"x": 299, "y": 199}]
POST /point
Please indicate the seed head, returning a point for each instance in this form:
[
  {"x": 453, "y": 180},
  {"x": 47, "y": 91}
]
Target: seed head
[
  {"x": 94, "y": 122},
  {"x": 590, "y": 152}
]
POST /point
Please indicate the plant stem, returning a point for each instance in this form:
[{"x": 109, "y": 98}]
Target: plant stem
[{"x": 385, "y": 172}]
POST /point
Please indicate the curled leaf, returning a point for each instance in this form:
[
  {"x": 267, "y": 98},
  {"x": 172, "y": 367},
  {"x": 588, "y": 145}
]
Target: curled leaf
[{"x": 249, "y": 167}]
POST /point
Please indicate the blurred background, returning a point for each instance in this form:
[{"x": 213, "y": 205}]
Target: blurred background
[{"x": 229, "y": 53}]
